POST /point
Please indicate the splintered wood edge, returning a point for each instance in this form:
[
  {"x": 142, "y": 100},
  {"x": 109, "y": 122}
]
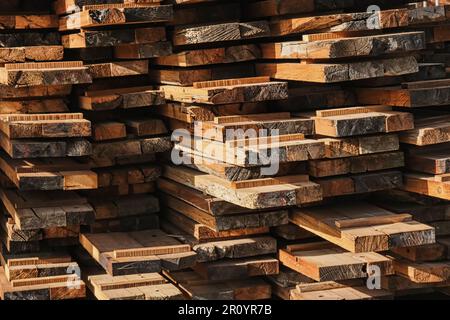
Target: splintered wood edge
[
  {"x": 144, "y": 252},
  {"x": 36, "y": 261},
  {"x": 44, "y": 280},
  {"x": 353, "y": 110},
  {"x": 41, "y": 117},
  {"x": 264, "y": 140},
  {"x": 155, "y": 3},
  {"x": 44, "y": 65},
  {"x": 252, "y": 117},
  {"x": 230, "y": 82}
]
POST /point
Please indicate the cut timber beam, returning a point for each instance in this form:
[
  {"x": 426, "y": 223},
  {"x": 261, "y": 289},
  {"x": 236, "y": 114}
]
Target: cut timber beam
[
  {"x": 126, "y": 98},
  {"x": 259, "y": 131},
  {"x": 54, "y": 125},
  {"x": 359, "y": 146},
  {"x": 110, "y": 38},
  {"x": 42, "y": 210},
  {"x": 228, "y": 94},
  {"x": 46, "y": 288},
  {"x": 44, "y": 74},
  {"x": 361, "y": 121},
  {"x": 28, "y": 21},
  {"x": 118, "y": 69},
  {"x": 146, "y": 286},
  {"x": 62, "y": 7},
  {"x": 400, "y": 97},
  {"x": 346, "y": 47},
  {"x": 143, "y": 51},
  {"x": 428, "y": 131},
  {"x": 233, "y": 31},
  {"x": 23, "y": 149},
  {"x": 430, "y": 185},
  {"x": 107, "y": 15},
  {"x": 204, "y": 57},
  {"x": 31, "y": 53},
  {"x": 48, "y": 173},
  {"x": 338, "y": 72},
  {"x": 423, "y": 272},
  {"x": 211, "y": 153}
]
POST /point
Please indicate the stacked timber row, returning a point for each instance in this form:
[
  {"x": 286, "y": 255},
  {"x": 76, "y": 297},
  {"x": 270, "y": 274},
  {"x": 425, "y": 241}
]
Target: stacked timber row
[
  {"x": 337, "y": 53},
  {"x": 116, "y": 39},
  {"x": 427, "y": 151},
  {"x": 219, "y": 202},
  {"x": 41, "y": 157}
]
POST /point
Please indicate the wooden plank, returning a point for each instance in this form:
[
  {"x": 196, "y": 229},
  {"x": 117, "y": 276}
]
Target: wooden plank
[
  {"x": 108, "y": 15},
  {"x": 147, "y": 286},
  {"x": 44, "y": 74},
  {"x": 68, "y": 6},
  {"x": 427, "y": 185},
  {"x": 427, "y": 131},
  {"x": 346, "y": 47},
  {"x": 102, "y": 248},
  {"x": 332, "y": 263},
  {"x": 252, "y": 198},
  {"x": 227, "y": 95},
  {"x": 339, "y": 72},
  {"x": 108, "y": 38},
  {"x": 197, "y": 288},
  {"x": 233, "y": 31},
  {"x": 363, "y": 123},
  {"x": 237, "y": 268},
  {"x": 202, "y": 57},
  {"x": 31, "y": 54},
  {"x": 227, "y": 222},
  {"x": 29, "y": 21},
  {"x": 354, "y": 165},
  {"x": 126, "y": 98},
  {"x": 399, "y": 97},
  {"x": 376, "y": 237},
  {"x": 45, "y": 126}
]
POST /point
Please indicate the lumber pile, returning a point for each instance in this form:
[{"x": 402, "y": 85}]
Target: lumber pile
[
  {"x": 42, "y": 158},
  {"x": 224, "y": 150}
]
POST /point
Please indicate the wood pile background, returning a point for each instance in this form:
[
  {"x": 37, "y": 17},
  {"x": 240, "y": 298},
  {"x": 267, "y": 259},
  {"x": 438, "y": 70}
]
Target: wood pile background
[{"x": 350, "y": 100}]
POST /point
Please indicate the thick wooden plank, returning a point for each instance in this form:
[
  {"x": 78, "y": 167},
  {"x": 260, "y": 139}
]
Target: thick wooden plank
[
  {"x": 126, "y": 98},
  {"x": 44, "y": 74},
  {"x": 227, "y": 94},
  {"x": 339, "y": 72},
  {"x": 346, "y": 47},
  {"x": 371, "y": 237},
  {"x": 234, "y": 31},
  {"x": 109, "y": 38},
  {"x": 325, "y": 262},
  {"x": 102, "y": 248},
  {"x": 107, "y": 15},
  {"x": 252, "y": 198}
]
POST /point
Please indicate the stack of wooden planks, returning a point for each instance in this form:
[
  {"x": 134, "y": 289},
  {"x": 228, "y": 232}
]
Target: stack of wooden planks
[
  {"x": 42, "y": 157},
  {"x": 116, "y": 39},
  {"x": 308, "y": 156}
]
